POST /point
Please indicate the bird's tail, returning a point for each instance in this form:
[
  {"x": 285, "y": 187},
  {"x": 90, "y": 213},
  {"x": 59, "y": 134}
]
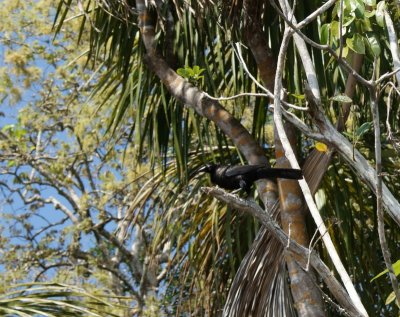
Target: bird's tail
[{"x": 288, "y": 173}]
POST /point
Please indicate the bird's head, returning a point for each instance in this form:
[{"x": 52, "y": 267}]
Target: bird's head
[{"x": 207, "y": 168}]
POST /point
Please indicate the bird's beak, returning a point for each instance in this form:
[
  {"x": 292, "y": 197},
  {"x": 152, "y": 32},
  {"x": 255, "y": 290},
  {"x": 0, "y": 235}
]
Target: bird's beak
[{"x": 201, "y": 169}]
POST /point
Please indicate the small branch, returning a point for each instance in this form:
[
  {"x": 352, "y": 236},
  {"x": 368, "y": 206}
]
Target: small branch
[
  {"x": 251, "y": 94},
  {"x": 307, "y": 20},
  {"x": 243, "y": 94},
  {"x": 238, "y": 52},
  {"x": 391, "y": 138},
  {"x": 387, "y": 75},
  {"x": 128, "y": 284},
  {"x": 268, "y": 93},
  {"x": 37, "y": 153}
]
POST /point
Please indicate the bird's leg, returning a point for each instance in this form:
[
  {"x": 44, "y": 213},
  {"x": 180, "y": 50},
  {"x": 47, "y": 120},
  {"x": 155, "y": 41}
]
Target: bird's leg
[
  {"x": 243, "y": 185},
  {"x": 236, "y": 191}
]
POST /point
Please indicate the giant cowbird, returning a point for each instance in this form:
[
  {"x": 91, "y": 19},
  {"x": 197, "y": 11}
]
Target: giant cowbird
[{"x": 243, "y": 176}]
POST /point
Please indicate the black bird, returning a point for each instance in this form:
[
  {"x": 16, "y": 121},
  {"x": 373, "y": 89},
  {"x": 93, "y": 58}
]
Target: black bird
[{"x": 243, "y": 176}]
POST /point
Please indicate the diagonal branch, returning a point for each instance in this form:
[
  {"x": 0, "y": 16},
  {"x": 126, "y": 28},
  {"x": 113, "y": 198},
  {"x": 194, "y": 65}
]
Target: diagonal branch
[
  {"x": 196, "y": 99},
  {"x": 299, "y": 251},
  {"x": 352, "y": 156}
]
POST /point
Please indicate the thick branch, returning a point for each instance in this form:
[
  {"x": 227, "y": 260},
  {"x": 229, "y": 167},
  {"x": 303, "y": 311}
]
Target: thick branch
[{"x": 196, "y": 99}]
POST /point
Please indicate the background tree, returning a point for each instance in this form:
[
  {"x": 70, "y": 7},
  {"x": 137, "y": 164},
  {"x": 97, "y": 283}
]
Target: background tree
[
  {"x": 133, "y": 195},
  {"x": 67, "y": 190}
]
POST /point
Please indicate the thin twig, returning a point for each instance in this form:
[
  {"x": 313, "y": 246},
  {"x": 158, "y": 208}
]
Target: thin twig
[
  {"x": 387, "y": 75},
  {"x": 254, "y": 94},
  {"x": 269, "y": 94}
]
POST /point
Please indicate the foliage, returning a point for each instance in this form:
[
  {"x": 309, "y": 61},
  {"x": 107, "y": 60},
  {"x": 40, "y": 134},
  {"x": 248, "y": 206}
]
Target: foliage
[
  {"x": 98, "y": 167},
  {"x": 52, "y": 300},
  {"x": 66, "y": 188}
]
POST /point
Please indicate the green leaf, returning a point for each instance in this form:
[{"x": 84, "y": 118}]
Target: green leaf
[
  {"x": 370, "y": 14},
  {"x": 183, "y": 72},
  {"x": 356, "y": 44},
  {"x": 189, "y": 71},
  {"x": 324, "y": 33},
  {"x": 371, "y": 3},
  {"x": 8, "y": 127},
  {"x": 390, "y": 298},
  {"x": 335, "y": 34},
  {"x": 19, "y": 133},
  {"x": 374, "y": 45},
  {"x": 380, "y": 13},
  {"x": 197, "y": 70},
  {"x": 348, "y": 134},
  {"x": 362, "y": 129},
  {"x": 342, "y": 99},
  {"x": 358, "y": 7},
  {"x": 396, "y": 269},
  {"x": 298, "y": 96},
  {"x": 11, "y": 163},
  {"x": 348, "y": 20}
]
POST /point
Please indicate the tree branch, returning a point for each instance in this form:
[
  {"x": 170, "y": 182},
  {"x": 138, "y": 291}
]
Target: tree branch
[
  {"x": 379, "y": 209},
  {"x": 299, "y": 251},
  {"x": 393, "y": 42},
  {"x": 303, "y": 184}
]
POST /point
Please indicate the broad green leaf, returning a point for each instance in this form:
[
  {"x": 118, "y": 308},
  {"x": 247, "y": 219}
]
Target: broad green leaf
[
  {"x": 358, "y": 8},
  {"x": 374, "y": 45},
  {"x": 335, "y": 34},
  {"x": 348, "y": 20},
  {"x": 380, "y": 13},
  {"x": 181, "y": 72},
  {"x": 356, "y": 43},
  {"x": 324, "y": 33},
  {"x": 365, "y": 26},
  {"x": 189, "y": 71},
  {"x": 345, "y": 51}
]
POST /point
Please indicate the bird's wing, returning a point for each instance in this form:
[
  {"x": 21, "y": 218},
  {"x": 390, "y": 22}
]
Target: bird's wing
[{"x": 242, "y": 169}]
